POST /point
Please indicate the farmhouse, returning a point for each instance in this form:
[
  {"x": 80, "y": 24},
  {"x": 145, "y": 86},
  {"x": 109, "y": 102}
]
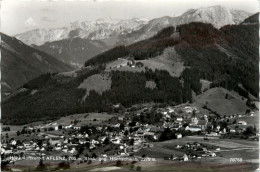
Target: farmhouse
[{"x": 121, "y": 63}]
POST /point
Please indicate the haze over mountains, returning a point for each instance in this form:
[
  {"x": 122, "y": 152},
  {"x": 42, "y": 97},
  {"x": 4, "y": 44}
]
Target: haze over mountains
[{"x": 82, "y": 40}]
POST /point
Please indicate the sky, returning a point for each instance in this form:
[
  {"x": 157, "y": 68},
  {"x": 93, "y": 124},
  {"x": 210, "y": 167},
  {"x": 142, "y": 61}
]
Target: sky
[{"x": 18, "y": 16}]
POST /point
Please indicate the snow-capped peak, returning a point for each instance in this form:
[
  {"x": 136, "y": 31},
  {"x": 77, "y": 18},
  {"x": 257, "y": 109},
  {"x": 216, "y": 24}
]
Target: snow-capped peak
[
  {"x": 101, "y": 28},
  {"x": 216, "y": 15},
  {"x": 104, "y": 28}
]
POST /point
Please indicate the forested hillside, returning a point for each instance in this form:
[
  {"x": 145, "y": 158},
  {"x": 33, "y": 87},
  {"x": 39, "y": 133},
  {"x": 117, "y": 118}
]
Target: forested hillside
[
  {"x": 21, "y": 63},
  {"x": 52, "y": 95},
  {"x": 228, "y": 57}
]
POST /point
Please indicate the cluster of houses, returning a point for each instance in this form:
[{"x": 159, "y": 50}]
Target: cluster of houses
[
  {"x": 198, "y": 123},
  {"x": 127, "y": 142},
  {"x": 197, "y": 150},
  {"x": 195, "y": 124}
]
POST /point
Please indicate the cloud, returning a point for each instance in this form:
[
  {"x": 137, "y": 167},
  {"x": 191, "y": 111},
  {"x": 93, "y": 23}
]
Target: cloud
[{"x": 30, "y": 23}]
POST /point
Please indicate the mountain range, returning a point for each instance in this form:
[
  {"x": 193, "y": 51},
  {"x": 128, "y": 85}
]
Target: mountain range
[
  {"x": 99, "y": 29},
  {"x": 94, "y": 37},
  {"x": 226, "y": 56}
]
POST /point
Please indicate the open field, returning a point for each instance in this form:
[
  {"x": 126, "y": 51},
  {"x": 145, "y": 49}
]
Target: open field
[
  {"x": 204, "y": 84},
  {"x": 251, "y": 120},
  {"x": 216, "y": 100},
  {"x": 85, "y": 119},
  {"x": 82, "y": 119},
  {"x": 169, "y": 60},
  {"x": 97, "y": 82},
  {"x": 229, "y": 148}
]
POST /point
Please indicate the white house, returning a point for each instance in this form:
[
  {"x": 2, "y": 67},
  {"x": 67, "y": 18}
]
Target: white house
[
  {"x": 72, "y": 150},
  {"x": 232, "y": 130},
  {"x": 242, "y": 123},
  {"x": 65, "y": 150},
  {"x": 185, "y": 157},
  {"x": 193, "y": 128},
  {"x": 213, "y": 154},
  {"x": 57, "y": 148},
  {"x": 179, "y": 119},
  {"x": 56, "y": 128},
  {"x": 137, "y": 142},
  {"x": 103, "y": 155},
  {"x": 179, "y": 136},
  {"x": 189, "y": 109},
  {"x": 165, "y": 113},
  {"x": 77, "y": 127},
  {"x": 116, "y": 125},
  {"x": 94, "y": 142},
  {"x": 68, "y": 126},
  {"x": 170, "y": 110},
  {"x": 13, "y": 142}
]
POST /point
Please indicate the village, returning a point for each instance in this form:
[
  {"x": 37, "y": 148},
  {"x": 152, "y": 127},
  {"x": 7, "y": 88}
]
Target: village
[{"x": 125, "y": 134}]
